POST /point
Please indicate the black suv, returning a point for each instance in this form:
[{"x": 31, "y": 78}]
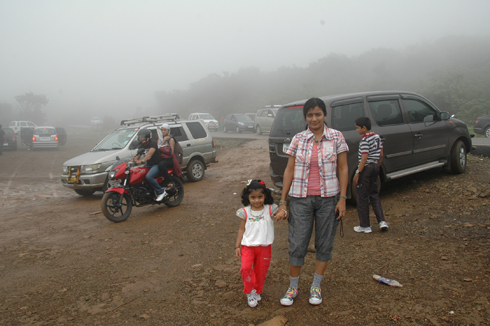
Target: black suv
[
  {"x": 416, "y": 135},
  {"x": 482, "y": 126}
]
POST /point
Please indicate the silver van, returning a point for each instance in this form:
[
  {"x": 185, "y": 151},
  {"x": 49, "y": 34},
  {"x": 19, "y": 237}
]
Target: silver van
[{"x": 88, "y": 172}]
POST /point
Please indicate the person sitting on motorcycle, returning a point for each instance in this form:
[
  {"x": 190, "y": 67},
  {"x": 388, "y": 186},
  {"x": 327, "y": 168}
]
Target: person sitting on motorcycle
[
  {"x": 152, "y": 158},
  {"x": 166, "y": 163}
]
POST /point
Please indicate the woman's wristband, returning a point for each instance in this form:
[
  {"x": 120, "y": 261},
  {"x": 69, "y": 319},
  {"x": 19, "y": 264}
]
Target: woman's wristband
[
  {"x": 237, "y": 247},
  {"x": 283, "y": 202},
  {"x": 345, "y": 197}
]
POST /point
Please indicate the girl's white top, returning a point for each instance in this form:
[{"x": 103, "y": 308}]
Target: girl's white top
[{"x": 259, "y": 226}]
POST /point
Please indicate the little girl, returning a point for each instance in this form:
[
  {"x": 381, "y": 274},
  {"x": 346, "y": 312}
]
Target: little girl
[{"x": 255, "y": 236}]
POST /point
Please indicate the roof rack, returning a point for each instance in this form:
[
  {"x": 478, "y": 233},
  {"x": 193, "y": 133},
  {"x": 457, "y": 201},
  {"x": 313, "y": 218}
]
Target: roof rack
[
  {"x": 272, "y": 106},
  {"x": 150, "y": 119}
]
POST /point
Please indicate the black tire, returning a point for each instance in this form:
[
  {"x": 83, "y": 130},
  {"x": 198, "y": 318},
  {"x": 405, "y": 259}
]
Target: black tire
[
  {"x": 84, "y": 192},
  {"x": 195, "y": 170},
  {"x": 224, "y": 129},
  {"x": 114, "y": 211},
  {"x": 238, "y": 130},
  {"x": 258, "y": 130},
  {"x": 176, "y": 195},
  {"x": 458, "y": 158},
  {"x": 487, "y": 132}
]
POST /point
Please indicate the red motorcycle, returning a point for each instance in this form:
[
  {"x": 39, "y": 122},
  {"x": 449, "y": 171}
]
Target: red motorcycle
[{"x": 129, "y": 188}]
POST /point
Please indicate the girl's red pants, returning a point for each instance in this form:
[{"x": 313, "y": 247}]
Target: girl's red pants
[{"x": 255, "y": 264}]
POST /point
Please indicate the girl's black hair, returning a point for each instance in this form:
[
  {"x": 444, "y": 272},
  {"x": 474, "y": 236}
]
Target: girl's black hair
[
  {"x": 313, "y": 103},
  {"x": 256, "y": 185}
]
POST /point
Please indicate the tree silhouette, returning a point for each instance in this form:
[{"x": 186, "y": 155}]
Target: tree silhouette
[{"x": 31, "y": 107}]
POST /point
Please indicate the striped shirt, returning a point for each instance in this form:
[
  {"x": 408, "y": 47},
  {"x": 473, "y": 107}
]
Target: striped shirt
[
  {"x": 301, "y": 147},
  {"x": 370, "y": 144}
]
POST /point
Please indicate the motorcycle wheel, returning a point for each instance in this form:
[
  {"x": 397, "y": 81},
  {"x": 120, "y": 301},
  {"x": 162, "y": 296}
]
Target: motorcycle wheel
[
  {"x": 114, "y": 211},
  {"x": 176, "y": 195}
]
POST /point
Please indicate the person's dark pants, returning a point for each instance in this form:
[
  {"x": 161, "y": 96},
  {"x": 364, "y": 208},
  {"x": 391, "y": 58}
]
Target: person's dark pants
[
  {"x": 1, "y": 148},
  {"x": 164, "y": 165},
  {"x": 367, "y": 192}
]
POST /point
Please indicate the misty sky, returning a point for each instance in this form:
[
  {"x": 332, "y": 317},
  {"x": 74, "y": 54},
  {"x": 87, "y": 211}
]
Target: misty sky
[{"x": 98, "y": 55}]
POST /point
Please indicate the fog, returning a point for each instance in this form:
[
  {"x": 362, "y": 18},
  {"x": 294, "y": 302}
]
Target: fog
[{"x": 110, "y": 57}]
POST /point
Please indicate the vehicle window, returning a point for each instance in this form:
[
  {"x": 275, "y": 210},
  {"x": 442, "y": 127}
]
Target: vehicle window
[
  {"x": 116, "y": 140},
  {"x": 289, "y": 122},
  {"x": 344, "y": 117},
  {"x": 243, "y": 118},
  {"x": 262, "y": 113},
  {"x": 386, "y": 112},
  {"x": 197, "y": 131},
  {"x": 154, "y": 134},
  {"x": 178, "y": 133},
  {"x": 45, "y": 131},
  {"x": 418, "y": 110},
  {"x": 12, "y": 123},
  {"x": 23, "y": 124},
  {"x": 207, "y": 117},
  {"x": 30, "y": 124},
  {"x": 8, "y": 131}
]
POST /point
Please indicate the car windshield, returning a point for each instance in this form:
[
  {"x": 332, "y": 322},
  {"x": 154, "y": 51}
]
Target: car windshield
[
  {"x": 206, "y": 116},
  {"x": 243, "y": 118},
  {"x": 45, "y": 131},
  {"x": 8, "y": 131},
  {"x": 116, "y": 140},
  {"x": 288, "y": 122}
]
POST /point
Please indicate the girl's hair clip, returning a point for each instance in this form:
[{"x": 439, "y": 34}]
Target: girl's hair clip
[
  {"x": 262, "y": 183},
  {"x": 249, "y": 182}
]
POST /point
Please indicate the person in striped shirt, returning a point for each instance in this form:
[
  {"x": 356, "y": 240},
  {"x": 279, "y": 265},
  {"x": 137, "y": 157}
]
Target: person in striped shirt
[
  {"x": 318, "y": 196},
  {"x": 366, "y": 178}
]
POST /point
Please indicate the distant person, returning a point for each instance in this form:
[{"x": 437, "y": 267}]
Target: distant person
[
  {"x": 222, "y": 123},
  {"x": 255, "y": 237},
  {"x": 370, "y": 156},
  {"x": 2, "y": 140},
  {"x": 318, "y": 196},
  {"x": 152, "y": 158}
]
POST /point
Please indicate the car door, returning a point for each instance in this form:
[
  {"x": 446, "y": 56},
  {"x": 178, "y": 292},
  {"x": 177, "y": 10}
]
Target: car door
[
  {"x": 429, "y": 133},
  {"x": 269, "y": 118},
  {"x": 388, "y": 122}
]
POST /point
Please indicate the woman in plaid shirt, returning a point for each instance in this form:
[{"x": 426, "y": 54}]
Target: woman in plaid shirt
[{"x": 317, "y": 195}]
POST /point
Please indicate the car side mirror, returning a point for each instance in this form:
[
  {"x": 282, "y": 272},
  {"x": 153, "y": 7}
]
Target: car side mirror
[{"x": 445, "y": 115}]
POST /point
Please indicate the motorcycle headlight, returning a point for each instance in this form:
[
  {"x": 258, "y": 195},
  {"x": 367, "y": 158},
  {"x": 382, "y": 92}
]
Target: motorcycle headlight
[
  {"x": 112, "y": 174},
  {"x": 92, "y": 168},
  {"x": 65, "y": 169}
]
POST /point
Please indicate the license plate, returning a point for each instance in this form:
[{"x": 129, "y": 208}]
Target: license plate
[
  {"x": 285, "y": 147},
  {"x": 250, "y": 127},
  {"x": 45, "y": 138},
  {"x": 5, "y": 144}
]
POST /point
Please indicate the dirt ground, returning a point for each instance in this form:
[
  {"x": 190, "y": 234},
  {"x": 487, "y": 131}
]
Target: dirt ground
[{"x": 63, "y": 263}]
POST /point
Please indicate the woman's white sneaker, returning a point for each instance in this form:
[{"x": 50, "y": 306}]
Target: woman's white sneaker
[
  {"x": 362, "y": 229},
  {"x": 383, "y": 226}
]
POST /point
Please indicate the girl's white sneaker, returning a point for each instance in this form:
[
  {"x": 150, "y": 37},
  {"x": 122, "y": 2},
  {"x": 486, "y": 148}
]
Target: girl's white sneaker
[{"x": 252, "y": 300}]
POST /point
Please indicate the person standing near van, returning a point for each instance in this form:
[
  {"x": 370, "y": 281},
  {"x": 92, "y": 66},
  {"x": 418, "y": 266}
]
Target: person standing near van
[
  {"x": 366, "y": 178},
  {"x": 317, "y": 195}
]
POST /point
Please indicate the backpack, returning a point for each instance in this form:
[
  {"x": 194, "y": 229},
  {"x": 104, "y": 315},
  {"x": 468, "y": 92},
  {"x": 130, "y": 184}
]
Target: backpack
[{"x": 179, "y": 152}]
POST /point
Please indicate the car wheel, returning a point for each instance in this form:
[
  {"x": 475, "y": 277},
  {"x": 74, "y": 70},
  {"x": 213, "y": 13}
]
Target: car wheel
[
  {"x": 84, "y": 192},
  {"x": 224, "y": 129},
  {"x": 487, "y": 132},
  {"x": 458, "y": 158},
  {"x": 238, "y": 130},
  {"x": 258, "y": 130},
  {"x": 195, "y": 170}
]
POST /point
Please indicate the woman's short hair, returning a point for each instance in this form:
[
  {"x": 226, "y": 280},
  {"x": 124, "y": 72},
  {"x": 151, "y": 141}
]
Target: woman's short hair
[{"x": 313, "y": 103}]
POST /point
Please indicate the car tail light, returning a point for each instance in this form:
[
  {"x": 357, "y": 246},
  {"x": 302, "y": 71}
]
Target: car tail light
[
  {"x": 55, "y": 138},
  {"x": 212, "y": 142},
  {"x": 13, "y": 137},
  {"x": 33, "y": 138},
  {"x": 478, "y": 120}
]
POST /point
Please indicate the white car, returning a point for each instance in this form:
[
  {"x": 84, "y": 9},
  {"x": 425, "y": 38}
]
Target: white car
[
  {"x": 95, "y": 121},
  {"x": 208, "y": 119},
  {"x": 16, "y": 125}
]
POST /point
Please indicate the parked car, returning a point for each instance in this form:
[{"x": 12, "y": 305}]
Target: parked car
[
  {"x": 208, "y": 119},
  {"x": 264, "y": 119},
  {"x": 416, "y": 135},
  {"x": 96, "y": 121},
  {"x": 10, "y": 139},
  {"x": 251, "y": 115},
  {"x": 16, "y": 125},
  {"x": 88, "y": 172},
  {"x": 482, "y": 126},
  {"x": 238, "y": 122},
  {"x": 44, "y": 137}
]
